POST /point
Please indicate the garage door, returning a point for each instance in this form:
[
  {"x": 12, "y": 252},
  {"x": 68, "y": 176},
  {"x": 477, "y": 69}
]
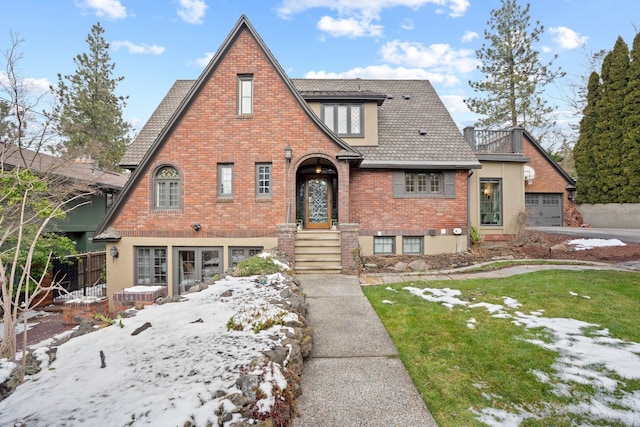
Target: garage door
[{"x": 544, "y": 210}]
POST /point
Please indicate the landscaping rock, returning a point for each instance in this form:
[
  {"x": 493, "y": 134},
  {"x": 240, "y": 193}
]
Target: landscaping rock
[
  {"x": 400, "y": 266},
  {"x": 418, "y": 265}
]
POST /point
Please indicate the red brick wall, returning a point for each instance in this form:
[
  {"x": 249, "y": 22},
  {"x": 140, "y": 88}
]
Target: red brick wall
[
  {"x": 548, "y": 179},
  {"x": 210, "y": 132},
  {"x": 375, "y": 208}
]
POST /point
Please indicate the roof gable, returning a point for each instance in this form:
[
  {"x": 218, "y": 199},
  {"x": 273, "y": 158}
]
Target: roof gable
[{"x": 181, "y": 97}]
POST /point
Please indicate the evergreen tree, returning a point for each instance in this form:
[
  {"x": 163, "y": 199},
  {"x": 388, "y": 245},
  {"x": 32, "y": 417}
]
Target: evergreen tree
[
  {"x": 608, "y": 150},
  {"x": 90, "y": 114},
  {"x": 514, "y": 75},
  {"x": 586, "y": 167},
  {"x": 631, "y": 141}
]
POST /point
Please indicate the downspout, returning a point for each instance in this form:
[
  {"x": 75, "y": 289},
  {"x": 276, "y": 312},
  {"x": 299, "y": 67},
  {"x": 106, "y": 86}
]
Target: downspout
[{"x": 469, "y": 209}]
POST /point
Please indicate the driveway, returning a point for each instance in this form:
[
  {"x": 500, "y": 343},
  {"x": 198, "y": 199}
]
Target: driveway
[{"x": 627, "y": 235}]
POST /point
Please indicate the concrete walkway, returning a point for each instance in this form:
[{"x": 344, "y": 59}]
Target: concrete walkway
[{"x": 353, "y": 376}]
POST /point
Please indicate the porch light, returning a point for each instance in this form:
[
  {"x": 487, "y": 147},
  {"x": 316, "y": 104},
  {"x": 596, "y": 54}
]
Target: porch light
[
  {"x": 113, "y": 251},
  {"x": 288, "y": 153},
  {"x": 318, "y": 167}
]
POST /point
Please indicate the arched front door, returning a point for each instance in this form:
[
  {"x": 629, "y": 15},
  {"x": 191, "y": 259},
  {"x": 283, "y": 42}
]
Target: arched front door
[{"x": 318, "y": 200}]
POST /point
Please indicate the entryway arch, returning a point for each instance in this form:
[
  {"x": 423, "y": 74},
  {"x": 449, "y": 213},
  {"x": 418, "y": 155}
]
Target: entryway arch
[{"x": 317, "y": 194}]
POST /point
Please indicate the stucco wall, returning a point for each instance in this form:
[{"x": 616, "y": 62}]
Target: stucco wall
[
  {"x": 512, "y": 196},
  {"x": 611, "y": 215}
]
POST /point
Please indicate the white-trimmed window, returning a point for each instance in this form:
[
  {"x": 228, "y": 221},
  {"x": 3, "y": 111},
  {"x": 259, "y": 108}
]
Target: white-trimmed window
[
  {"x": 245, "y": 94},
  {"x": 151, "y": 266},
  {"x": 412, "y": 245},
  {"x": 344, "y": 119},
  {"x": 384, "y": 245},
  {"x": 166, "y": 188},
  {"x": 225, "y": 180},
  {"x": 263, "y": 180}
]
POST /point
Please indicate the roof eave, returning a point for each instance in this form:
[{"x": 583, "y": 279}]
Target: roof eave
[{"x": 419, "y": 164}]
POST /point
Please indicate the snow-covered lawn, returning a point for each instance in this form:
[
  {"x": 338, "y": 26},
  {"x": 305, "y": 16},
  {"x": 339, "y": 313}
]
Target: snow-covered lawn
[
  {"x": 180, "y": 369},
  {"x": 586, "y": 355}
]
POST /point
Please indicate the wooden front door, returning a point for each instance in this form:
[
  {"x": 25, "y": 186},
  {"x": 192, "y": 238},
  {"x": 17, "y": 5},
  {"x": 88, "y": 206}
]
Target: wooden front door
[{"x": 318, "y": 202}]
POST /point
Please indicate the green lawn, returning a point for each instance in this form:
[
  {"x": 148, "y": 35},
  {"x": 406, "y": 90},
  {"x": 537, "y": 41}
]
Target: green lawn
[{"x": 542, "y": 369}]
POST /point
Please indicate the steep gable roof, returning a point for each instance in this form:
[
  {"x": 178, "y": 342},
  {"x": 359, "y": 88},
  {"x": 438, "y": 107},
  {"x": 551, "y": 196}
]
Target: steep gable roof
[
  {"x": 415, "y": 130},
  {"x": 183, "y": 91},
  {"x": 146, "y": 144}
]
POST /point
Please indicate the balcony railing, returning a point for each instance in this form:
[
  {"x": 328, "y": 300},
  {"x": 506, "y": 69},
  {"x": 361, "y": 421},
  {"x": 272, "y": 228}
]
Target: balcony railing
[{"x": 494, "y": 141}]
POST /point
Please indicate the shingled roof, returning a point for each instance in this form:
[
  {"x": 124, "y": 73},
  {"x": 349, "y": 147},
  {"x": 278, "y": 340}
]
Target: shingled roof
[
  {"x": 158, "y": 120},
  {"x": 75, "y": 169},
  {"x": 414, "y": 127}
]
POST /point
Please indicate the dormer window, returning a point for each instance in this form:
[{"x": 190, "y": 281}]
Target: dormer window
[{"x": 344, "y": 119}]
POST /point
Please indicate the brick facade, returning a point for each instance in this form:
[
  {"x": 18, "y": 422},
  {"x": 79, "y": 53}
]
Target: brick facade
[
  {"x": 547, "y": 179},
  {"x": 195, "y": 146},
  {"x": 373, "y": 206}
]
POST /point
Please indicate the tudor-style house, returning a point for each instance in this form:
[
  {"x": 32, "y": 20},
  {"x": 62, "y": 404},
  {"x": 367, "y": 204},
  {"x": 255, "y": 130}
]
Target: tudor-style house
[{"x": 245, "y": 158}]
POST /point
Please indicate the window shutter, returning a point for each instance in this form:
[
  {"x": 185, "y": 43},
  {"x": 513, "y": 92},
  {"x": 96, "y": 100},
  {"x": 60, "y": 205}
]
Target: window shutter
[
  {"x": 398, "y": 184},
  {"x": 450, "y": 184}
]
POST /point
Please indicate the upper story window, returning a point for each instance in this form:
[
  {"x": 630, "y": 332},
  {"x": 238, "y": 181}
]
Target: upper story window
[
  {"x": 167, "y": 188},
  {"x": 245, "y": 94},
  {"x": 344, "y": 119},
  {"x": 423, "y": 183},
  {"x": 225, "y": 180}
]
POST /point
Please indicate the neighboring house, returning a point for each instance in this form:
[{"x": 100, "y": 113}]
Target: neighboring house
[
  {"x": 517, "y": 176},
  {"x": 245, "y": 158},
  {"x": 81, "y": 222}
]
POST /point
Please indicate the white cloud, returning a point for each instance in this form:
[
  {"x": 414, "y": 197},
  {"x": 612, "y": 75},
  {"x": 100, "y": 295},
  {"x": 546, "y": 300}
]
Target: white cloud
[
  {"x": 386, "y": 72},
  {"x": 349, "y": 27},
  {"x": 567, "y": 38},
  {"x": 205, "y": 59},
  {"x": 454, "y": 103},
  {"x": 137, "y": 48},
  {"x": 288, "y": 8},
  {"x": 110, "y": 8},
  {"x": 469, "y": 36},
  {"x": 407, "y": 24},
  {"x": 439, "y": 56},
  {"x": 192, "y": 11},
  {"x": 29, "y": 85}
]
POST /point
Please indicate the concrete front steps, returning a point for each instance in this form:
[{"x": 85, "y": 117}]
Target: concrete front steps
[{"x": 318, "y": 251}]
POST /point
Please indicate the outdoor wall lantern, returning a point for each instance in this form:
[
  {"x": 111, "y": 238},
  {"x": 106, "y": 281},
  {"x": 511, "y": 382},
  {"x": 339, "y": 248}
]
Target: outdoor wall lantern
[
  {"x": 288, "y": 153},
  {"x": 114, "y": 252},
  {"x": 196, "y": 227}
]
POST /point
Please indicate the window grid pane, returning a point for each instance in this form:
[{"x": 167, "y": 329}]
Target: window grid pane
[
  {"x": 167, "y": 188},
  {"x": 342, "y": 120},
  {"x": 422, "y": 183},
  {"x": 412, "y": 245},
  {"x": 226, "y": 180},
  {"x": 151, "y": 266},
  {"x": 355, "y": 119},
  {"x": 264, "y": 180},
  {"x": 328, "y": 117},
  {"x": 383, "y": 245},
  {"x": 409, "y": 183},
  {"x": 246, "y": 95},
  {"x": 435, "y": 183}
]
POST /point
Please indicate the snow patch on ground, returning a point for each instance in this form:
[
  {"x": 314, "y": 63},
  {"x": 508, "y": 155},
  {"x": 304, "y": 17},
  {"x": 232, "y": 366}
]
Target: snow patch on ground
[
  {"x": 585, "y": 244},
  {"x": 594, "y": 358},
  {"x": 170, "y": 373}
]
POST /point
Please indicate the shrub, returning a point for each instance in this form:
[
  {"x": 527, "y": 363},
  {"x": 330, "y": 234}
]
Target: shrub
[{"x": 256, "y": 265}]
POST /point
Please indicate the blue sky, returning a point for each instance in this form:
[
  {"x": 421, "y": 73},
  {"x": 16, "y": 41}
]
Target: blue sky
[{"x": 155, "y": 42}]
